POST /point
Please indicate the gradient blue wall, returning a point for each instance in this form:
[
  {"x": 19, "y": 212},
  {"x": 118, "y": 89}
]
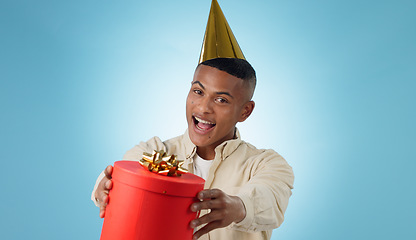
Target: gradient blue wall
[{"x": 336, "y": 97}]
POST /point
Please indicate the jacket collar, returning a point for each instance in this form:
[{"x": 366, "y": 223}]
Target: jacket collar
[{"x": 223, "y": 150}]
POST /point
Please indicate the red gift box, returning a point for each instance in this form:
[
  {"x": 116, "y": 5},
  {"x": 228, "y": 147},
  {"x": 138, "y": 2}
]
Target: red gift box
[{"x": 145, "y": 205}]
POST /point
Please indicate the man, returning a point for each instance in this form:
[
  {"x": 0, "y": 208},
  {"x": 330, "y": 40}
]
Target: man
[{"x": 246, "y": 189}]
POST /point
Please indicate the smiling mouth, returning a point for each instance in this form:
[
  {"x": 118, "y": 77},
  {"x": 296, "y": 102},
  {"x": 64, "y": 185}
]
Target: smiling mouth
[{"x": 202, "y": 125}]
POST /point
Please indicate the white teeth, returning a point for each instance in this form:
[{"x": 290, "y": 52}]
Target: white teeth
[{"x": 203, "y": 121}]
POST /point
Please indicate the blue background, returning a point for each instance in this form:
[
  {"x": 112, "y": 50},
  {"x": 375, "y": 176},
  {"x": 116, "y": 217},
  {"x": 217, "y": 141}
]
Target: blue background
[{"x": 83, "y": 81}]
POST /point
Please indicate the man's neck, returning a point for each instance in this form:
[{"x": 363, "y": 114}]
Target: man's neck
[{"x": 206, "y": 153}]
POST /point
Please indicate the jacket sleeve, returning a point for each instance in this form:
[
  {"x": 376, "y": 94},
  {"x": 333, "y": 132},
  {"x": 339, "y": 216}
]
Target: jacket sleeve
[
  {"x": 266, "y": 194},
  {"x": 133, "y": 154}
]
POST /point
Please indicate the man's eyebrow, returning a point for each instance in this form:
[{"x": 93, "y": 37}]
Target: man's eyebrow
[
  {"x": 219, "y": 93},
  {"x": 199, "y": 83},
  {"x": 225, "y": 93}
]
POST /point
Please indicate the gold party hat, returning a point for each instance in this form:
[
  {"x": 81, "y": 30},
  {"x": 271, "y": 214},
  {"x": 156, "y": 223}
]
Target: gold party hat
[{"x": 219, "y": 40}]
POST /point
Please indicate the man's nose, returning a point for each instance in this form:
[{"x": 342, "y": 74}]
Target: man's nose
[{"x": 205, "y": 105}]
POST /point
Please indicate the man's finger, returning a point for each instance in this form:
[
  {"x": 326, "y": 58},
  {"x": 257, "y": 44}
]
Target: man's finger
[
  {"x": 104, "y": 200},
  {"x": 207, "y": 218},
  {"x": 103, "y": 205},
  {"x": 102, "y": 211},
  {"x": 206, "y": 204},
  {"x": 103, "y": 189},
  {"x": 207, "y": 228},
  {"x": 108, "y": 185},
  {"x": 108, "y": 171},
  {"x": 210, "y": 193}
]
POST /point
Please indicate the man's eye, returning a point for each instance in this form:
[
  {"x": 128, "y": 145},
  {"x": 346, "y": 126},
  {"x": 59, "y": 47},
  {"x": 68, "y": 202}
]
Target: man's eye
[
  {"x": 221, "y": 100},
  {"x": 197, "y": 91}
]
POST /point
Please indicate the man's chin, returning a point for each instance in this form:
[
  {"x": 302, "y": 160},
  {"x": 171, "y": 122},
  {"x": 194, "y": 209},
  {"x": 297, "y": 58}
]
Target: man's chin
[
  {"x": 197, "y": 140},
  {"x": 200, "y": 140}
]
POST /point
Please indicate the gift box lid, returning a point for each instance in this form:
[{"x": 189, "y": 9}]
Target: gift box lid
[{"x": 134, "y": 174}]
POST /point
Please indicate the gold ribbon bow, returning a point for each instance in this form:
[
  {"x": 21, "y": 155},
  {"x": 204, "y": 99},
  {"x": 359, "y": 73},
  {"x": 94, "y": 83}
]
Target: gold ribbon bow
[{"x": 161, "y": 163}]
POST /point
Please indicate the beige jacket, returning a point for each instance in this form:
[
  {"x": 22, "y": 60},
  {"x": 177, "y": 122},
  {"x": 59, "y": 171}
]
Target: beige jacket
[{"x": 261, "y": 178}]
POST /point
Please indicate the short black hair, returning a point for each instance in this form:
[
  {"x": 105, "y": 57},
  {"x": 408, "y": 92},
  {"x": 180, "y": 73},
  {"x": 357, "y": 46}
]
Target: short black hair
[{"x": 239, "y": 68}]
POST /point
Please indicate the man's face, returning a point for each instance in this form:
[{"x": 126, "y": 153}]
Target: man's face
[{"x": 215, "y": 103}]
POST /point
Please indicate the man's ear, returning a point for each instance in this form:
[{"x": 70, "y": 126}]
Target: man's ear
[{"x": 247, "y": 110}]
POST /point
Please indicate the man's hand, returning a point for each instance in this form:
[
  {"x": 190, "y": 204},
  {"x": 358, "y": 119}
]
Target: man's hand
[
  {"x": 225, "y": 209},
  {"x": 105, "y": 185}
]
